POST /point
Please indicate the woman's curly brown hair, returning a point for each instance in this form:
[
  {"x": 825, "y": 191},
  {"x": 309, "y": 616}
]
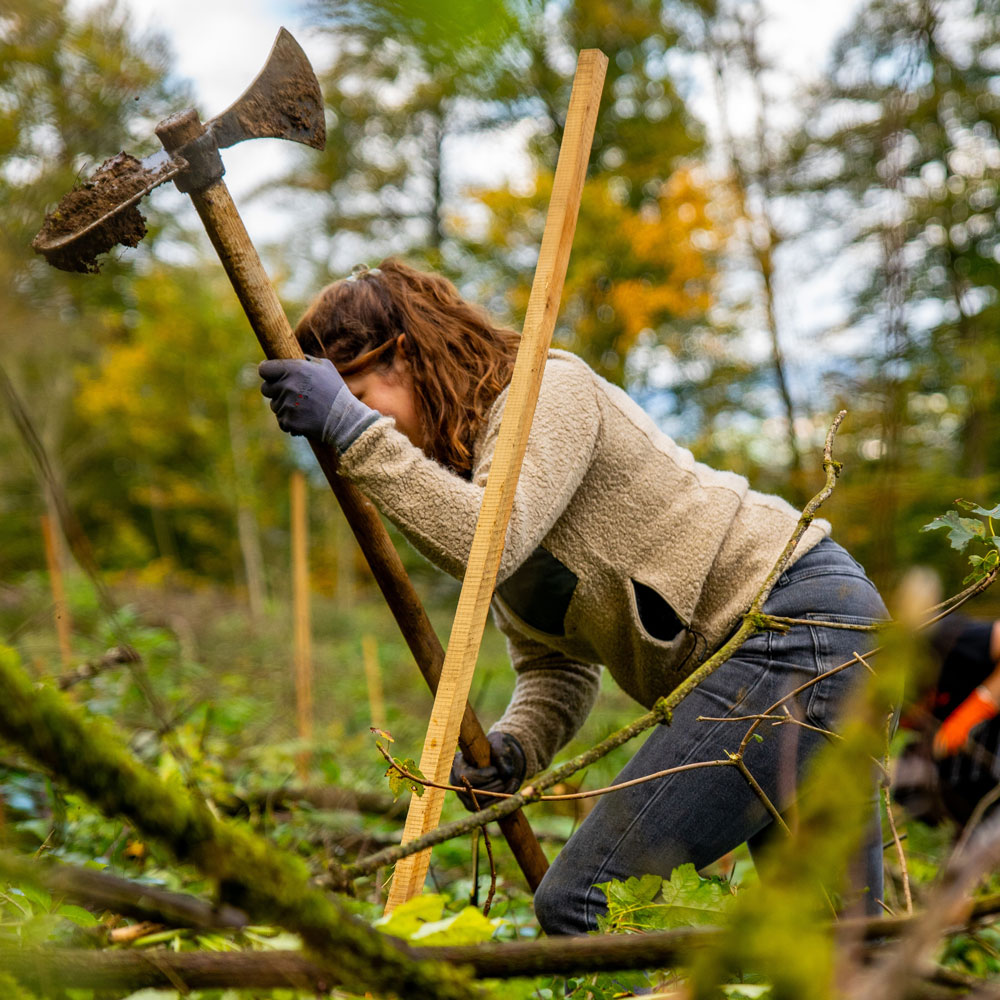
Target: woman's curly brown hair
[{"x": 459, "y": 361}]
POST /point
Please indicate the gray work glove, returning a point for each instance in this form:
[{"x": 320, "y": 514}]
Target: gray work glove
[
  {"x": 310, "y": 398},
  {"x": 504, "y": 773}
]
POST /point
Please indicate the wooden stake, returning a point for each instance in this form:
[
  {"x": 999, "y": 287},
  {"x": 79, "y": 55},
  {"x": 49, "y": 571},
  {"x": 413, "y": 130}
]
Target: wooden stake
[
  {"x": 373, "y": 677},
  {"x": 498, "y": 497},
  {"x": 53, "y": 559},
  {"x": 303, "y": 631}
]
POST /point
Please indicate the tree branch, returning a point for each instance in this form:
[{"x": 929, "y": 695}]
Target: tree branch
[
  {"x": 109, "y": 892},
  {"x": 267, "y": 882},
  {"x": 585, "y": 953}
]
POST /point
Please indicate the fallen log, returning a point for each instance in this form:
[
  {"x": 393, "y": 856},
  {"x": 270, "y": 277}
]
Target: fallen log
[{"x": 150, "y": 968}]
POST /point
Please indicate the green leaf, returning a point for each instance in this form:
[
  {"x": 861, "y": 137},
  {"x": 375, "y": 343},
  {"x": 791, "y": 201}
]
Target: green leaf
[
  {"x": 41, "y": 898},
  {"x": 686, "y": 900},
  {"x": 38, "y": 929},
  {"x": 974, "y": 508},
  {"x": 409, "y": 917},
  {"x": 467, "y": 927},
  {"x": 631, "y": 892},
  {"x": 744, "y": 991},
  {"x": 398, "y": 783},
  {"x": 961, "y": 530},
  {"x": 77, "y": 914},
  {"x": 693, "y": 900}
]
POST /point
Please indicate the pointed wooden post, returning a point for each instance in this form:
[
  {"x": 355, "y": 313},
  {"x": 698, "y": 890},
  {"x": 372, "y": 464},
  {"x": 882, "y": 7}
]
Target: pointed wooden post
[
  {"x": 302, "y": 619},
  {"x": 498, "y": 497}
]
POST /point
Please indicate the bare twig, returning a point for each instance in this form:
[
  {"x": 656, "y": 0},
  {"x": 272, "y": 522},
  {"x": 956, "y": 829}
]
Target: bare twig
[
  {"x": 776, "y": 720},
  {"x": 821, "y": 623},
  {"x": 949, "y": 905},
  {"x": 114, "y": 657},
  {"x": 489, "y": 854},
  {"x": 900, "y": 853},
  {"x": 977, "y": 815},
  {"x": 741, "y": 766}
]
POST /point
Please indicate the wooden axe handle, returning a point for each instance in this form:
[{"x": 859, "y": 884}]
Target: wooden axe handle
[{"x": 260, "y": 302}]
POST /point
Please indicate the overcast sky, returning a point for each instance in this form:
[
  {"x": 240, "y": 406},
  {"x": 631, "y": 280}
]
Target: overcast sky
[{"x": 219, "y": 45}]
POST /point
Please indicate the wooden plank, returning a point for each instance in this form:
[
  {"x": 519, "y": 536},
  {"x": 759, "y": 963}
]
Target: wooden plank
[
  {"x": 498, "y": 497},
  {"x": 60, "y": 607},
  {"x": 302, "y": 621}
]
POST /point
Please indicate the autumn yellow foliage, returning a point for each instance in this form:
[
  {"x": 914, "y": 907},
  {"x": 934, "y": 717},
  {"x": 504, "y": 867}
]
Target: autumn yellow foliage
[{"x": 633, "y": 268}]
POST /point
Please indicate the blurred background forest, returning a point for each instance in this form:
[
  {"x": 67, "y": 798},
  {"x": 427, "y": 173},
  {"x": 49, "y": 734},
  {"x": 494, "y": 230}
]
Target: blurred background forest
[{"x": 139, "y": 459}]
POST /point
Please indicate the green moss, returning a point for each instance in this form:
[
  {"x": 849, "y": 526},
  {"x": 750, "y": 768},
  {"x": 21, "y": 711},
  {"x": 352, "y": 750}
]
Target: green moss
[
  {"x": 270, "y": 884},
  {"x": 11, "y": 989},
  {"x": 761, "y": 622}
]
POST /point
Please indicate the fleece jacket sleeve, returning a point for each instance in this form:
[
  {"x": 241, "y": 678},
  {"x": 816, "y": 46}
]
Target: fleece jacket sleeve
[
  {"x": 437, "y": 509},
  {"x": 552, "y": 697}
]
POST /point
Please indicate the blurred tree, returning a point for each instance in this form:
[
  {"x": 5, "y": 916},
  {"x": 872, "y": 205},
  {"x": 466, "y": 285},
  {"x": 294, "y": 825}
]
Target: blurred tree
[
  {"x": 172, "y": 407},
  {"x": 727, "y": 34},
  {"x": 642, "y": 263},
  {"x": 75, "y": 87},
  {"x": 901, "y": 154},
  {"x": 407, "y": 76}
]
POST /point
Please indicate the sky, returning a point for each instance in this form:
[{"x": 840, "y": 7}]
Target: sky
[{"x": 220, "y": 45}]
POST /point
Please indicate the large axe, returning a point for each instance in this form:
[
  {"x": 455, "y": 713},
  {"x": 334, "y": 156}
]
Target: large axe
[{"x": 284, "y": 102}]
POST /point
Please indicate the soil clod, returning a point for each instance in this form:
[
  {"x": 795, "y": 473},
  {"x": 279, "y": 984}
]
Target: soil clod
[{"x": 111, "y": 187}]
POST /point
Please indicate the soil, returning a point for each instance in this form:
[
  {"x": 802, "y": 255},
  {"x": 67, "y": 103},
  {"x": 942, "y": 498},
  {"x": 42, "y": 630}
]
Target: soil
[{"x": 113, "y": 183}]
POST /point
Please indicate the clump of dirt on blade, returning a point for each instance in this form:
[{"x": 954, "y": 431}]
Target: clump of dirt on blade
[{"x": 113, "y": 183}]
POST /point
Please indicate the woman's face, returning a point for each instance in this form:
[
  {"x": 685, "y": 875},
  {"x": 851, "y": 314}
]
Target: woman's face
[{"x": 390, "y": 391}]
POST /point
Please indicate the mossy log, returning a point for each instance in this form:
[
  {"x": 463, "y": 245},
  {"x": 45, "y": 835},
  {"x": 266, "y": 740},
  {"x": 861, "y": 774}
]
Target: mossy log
[
  {"x": 252, "y": 873},
  {"x": 583, "y": 954}
]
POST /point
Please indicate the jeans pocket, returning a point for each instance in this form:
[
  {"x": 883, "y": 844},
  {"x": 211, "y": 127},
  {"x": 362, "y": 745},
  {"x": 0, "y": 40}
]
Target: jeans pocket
[{"x": 836, "y": 647}]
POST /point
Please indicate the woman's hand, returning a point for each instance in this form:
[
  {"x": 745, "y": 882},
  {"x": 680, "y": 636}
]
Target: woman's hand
[
  {"x": 309, "y": 398},
  {"x": 504, "y": 773}
]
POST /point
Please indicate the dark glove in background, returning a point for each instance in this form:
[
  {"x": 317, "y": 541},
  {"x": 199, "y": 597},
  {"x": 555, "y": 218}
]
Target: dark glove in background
[{"x": 504, "y": 773}]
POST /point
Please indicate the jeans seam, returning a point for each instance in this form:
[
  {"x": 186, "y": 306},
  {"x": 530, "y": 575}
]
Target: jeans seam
[{"x": 642, "y": 812}]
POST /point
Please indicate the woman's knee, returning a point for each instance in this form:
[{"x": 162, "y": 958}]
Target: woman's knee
[{"x": 561, "y": 903}]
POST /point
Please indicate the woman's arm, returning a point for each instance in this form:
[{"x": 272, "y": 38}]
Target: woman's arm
[
  {"x": 437, "y": 509},
  {"x": 552, "y": 697}
]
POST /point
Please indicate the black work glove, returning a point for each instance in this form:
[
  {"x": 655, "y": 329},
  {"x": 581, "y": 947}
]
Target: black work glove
[
  {"x": 309, "y": 397},
  {"x": 504, "y": 773}
]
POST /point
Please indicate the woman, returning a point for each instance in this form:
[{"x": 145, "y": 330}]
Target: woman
[{"x": 622, "y": 551}]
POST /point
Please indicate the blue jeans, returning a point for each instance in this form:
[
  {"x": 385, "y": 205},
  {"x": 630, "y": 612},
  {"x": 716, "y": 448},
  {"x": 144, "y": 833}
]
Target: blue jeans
[{"x": 700, "y": 815}]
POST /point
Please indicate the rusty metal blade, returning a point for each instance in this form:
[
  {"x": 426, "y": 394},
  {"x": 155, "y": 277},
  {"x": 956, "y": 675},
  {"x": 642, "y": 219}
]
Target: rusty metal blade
[
  {"x": 101, "y": 212},
  {"x": 283, "y": 102}
]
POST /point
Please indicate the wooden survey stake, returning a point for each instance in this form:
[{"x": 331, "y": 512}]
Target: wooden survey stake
[
  {"x": 498, "y": 497},
  {"x": 302, "y": 619},
  {"x": 60, "y": 608}
]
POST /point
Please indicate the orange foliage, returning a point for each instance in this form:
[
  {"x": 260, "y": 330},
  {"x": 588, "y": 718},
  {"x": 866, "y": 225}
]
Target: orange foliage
[{"x": 632, "y": 269}]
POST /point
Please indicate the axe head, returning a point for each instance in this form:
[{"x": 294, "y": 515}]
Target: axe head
[{"x": 283, "y": 102}]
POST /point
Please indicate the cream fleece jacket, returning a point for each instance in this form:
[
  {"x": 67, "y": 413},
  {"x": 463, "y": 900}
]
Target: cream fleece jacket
[{"x": 622, "y": 550}]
